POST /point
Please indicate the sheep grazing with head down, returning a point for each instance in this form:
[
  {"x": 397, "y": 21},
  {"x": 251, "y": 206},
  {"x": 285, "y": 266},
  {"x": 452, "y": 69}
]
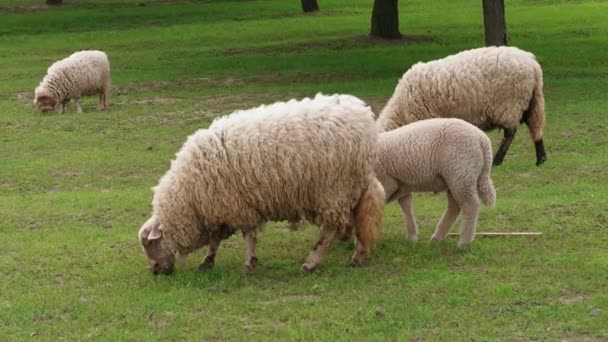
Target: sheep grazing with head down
[
  {"x": 83, "y": 73},
  {"x": 438, "y": 155},
  {"x": 491, "y": 87},
  {"x": 312, "y": 158}
]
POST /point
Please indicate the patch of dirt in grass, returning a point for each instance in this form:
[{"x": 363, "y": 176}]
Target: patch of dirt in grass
[
  {"x": 156, "y": 100},
  {"x": 576, "y": 299},
  {"x": 221, "y": 105},
  {"x": 290, "y": 298},
  {"x": 19, "y": 9},
  {"x": 23, "y": 95},
  {"x": 584, "y": 338},
  {"x": 173, "y": 117},
  {"x": 140, "y": 87},
  {"x": 339, "y": 44}
]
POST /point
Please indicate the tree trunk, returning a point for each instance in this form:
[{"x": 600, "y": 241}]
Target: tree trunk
[
  {"x": 53, "y": 2},
  {"x": 310, "y": 5},
  {"x": 385, "y": 19},
  {"x": 494, "y": 22}
]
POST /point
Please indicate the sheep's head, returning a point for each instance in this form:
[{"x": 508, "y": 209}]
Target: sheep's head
[
  {"x": 160, "y": 260},
  {"x": 44, "y": 101}
]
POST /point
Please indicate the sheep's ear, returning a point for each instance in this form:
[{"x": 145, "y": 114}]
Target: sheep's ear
[{"x": 155, "y": 233}]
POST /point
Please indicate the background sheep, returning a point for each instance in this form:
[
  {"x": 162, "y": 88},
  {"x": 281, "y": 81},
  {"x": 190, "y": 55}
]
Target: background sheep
[
  {"x": 81, "y": 74},
  {"x": 438, "y": 155},
  {"x": 310, "y": 158},
  {"x": 492, "y": 87}
]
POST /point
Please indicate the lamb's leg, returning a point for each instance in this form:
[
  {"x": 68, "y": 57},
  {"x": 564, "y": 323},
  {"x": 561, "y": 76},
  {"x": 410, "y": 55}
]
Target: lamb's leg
[
  {"x": 509, "y": 134},
  {"x": 78, "y": 107},
  {"x": 209, "y": 260},
  {"x": 470, "y": 213},
  {"x": 251, "y": 260},
  {"x": 102, "y": 96},
  {"x": 318, "y": 252},
  {"x": 447, "y": 220},
  {"x": 410, "y": 222},
  {"x": 295, "y": 225}
]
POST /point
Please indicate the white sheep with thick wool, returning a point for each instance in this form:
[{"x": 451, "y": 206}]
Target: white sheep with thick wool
[
  {"x": 490, "y": 87},
  {"x": 436, "y": 155},
  {"x": 83, "y": 73},
  {"x": 312, "y": 158}
]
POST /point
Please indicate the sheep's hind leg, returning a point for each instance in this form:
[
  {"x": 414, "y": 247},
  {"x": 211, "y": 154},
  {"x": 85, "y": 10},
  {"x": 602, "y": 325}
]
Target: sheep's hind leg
[
  {"x": 447, "y": 220},
  {"x": 470, "y": 213},
  {"x": 209, "y": 261},
  {"x": 509, "y": 134},
  {"x": 251, "y": 260},
  {"x": 410, "y": 222},
  {"x": 318, "y": 252},
  {"x": 541, "y": 155},
  {"x": 78, "y": 107}
]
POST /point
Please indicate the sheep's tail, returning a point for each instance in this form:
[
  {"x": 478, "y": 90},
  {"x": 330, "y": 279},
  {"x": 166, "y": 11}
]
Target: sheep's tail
[
  {"x": 534, "y": 117},
  {"x": 485, "y": 187},
  {"x": 369, "y": 213}
]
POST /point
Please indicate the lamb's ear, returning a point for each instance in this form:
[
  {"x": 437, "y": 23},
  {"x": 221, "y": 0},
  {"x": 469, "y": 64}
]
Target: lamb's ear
[{"x": 155, "y": 232}]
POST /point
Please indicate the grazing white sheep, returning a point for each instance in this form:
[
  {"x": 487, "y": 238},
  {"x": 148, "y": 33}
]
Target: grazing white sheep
[
  {"x": 83, "y": 73},
  {"x": 438, "y": 155},
  {"x": 491, "y": 87},
  {"x": 309, "y": 158}
]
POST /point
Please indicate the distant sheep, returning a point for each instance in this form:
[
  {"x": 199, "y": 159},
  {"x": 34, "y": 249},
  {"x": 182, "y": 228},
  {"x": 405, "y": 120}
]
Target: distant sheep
[
  {"x": 310, "y": 158},
  {"x": 83, "y": 73},
  {"x": 438, "y": 155},
  {"x": 492, "y": 87}
]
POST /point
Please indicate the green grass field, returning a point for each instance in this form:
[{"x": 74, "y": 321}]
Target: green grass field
[{"x": 75, "y": 188}]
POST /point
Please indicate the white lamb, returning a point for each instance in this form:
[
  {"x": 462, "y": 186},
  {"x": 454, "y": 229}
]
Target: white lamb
[
  {"x": 437, "y": 155},
  {"x": 83, "y": 73},
  {"x": 491, "y": 87},
  {"x": 309, "y": 158}
]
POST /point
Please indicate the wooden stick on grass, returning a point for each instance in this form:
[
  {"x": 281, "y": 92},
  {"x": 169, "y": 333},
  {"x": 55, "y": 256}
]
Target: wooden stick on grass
[{"x": 502, "y": 234}]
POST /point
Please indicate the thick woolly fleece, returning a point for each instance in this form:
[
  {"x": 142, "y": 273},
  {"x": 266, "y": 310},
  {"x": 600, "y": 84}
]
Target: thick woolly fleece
[
  {"x": 491, "y": 87},
  {"x": 437, "y": 155},
  {"x": 83, "y": 73},
  {"x": 312, "y": 158}
]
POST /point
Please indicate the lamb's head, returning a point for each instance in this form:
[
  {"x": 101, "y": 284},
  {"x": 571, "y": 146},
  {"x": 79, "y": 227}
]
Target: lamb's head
[
  {"x": 160, "y": 259},
  {"x": 44, "y": 100}
]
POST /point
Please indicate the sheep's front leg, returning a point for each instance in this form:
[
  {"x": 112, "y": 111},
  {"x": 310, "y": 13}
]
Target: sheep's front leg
[
  {"x": 209, "y": 261},
  {"x": 62, "y": 106},
  {"x": 509, "y": 134},
  {"x": 251, "y": 259},
  {"x": 102, "y": 95},
  {"x": 320, "y": 249},
  {"x": 410, "y": 222}
]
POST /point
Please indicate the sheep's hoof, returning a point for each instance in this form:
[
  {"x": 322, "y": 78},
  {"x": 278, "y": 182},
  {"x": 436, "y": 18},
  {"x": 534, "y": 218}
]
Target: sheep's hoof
[
  {"x": 355, "y": 263},
  {"x": 250, "y": 266},
  {"x": 205, "y": 266},
  {"x": 436, "y": 239},
  {"x": 541, "y": 161},
  {"x": 309, "y": 267},
  {"x": 463, "y": 244}
]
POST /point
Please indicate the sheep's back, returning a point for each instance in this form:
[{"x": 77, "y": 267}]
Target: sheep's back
[
  {"x": 300, "y": 156},
  {"x": 476, "y": 85},
  {"x": 310, "y": 158},
  {"x": 422, "y": 155},
  {"x": 82, "y": 73}
]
